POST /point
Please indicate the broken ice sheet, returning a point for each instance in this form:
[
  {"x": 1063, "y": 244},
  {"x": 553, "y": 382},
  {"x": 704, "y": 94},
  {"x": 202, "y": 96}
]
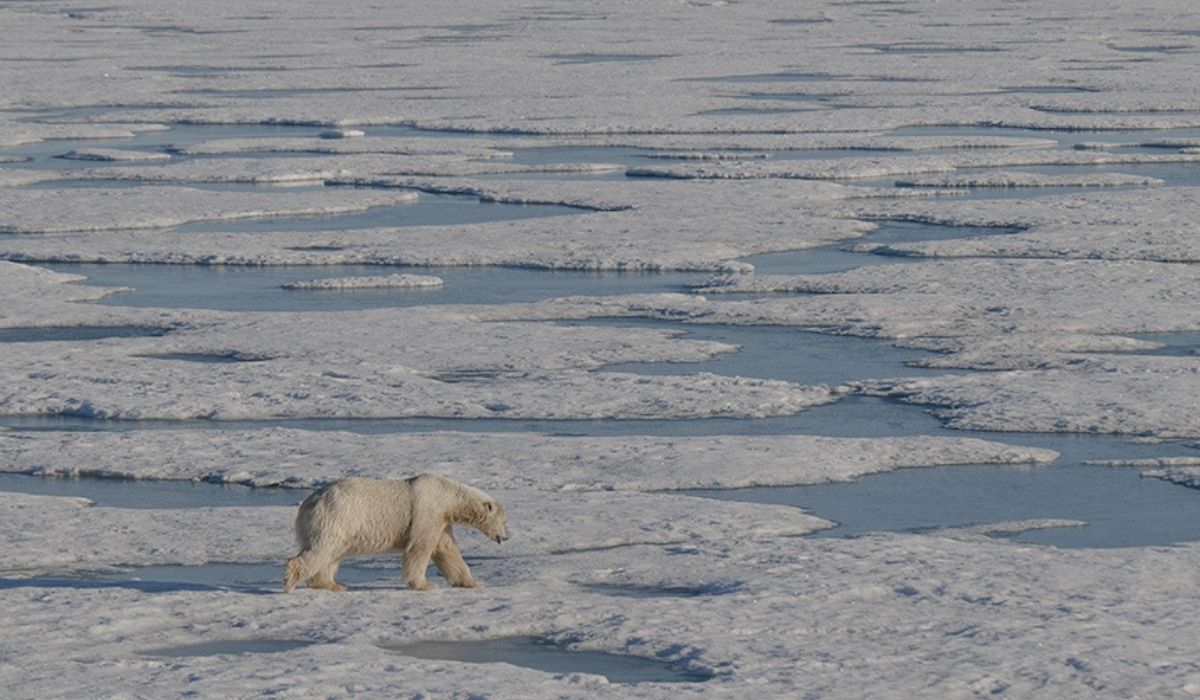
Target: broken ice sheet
[{"x": 103, "y": 209}]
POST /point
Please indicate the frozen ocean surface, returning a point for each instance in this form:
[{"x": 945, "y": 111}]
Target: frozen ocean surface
[{"x": 955, "y": 490}]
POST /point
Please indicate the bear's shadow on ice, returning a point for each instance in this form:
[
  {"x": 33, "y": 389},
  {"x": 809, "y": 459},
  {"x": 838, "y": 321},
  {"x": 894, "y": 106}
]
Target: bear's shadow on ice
[
  {"x": 143, "y": 586},
  {"x": 622, "y": 590}
]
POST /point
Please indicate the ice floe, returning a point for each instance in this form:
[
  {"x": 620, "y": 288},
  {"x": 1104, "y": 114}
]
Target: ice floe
[
  {"x": 874, "y": 167},
  {"x": 321, "y": 168},
  {"x": 410, "y": 146},
  {"x": 1019, "y": 179},
  {"x": 389, "y": 369},
  {"x": 800, "y": 614},
  {"x": 1135, "y": 395},
  {"x": 398, "y": 281},
  {"x": 300, "y": 458},
  {"x": 104, "y": 209},
  {"x": 114, "y": 154},
  {"x": 17, "y": 177},
  {"x": 1143, "y": 225},
  {"x": 651, "y": 226}
]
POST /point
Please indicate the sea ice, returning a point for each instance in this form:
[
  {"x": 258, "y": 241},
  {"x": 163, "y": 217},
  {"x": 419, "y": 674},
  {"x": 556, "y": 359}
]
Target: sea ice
[
  {"x": 1142, "y": 225},
  {"x": 290, "y": 457},
  {"x": 652, "y": 226},
  {"x": 102, "y": 209},
  {"x": 1006, "y": 178},
  {"x": 114, "y": 154},
  {"x": 909, "y": 615},
  {"x": 398, "y": 281}
]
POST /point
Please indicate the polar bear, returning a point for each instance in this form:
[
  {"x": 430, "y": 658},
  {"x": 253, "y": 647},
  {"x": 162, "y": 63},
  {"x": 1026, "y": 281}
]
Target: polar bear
[{"x": 371, "y": 516}]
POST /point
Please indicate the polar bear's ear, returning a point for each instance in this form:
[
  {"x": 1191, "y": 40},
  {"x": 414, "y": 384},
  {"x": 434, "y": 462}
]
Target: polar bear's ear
[{"x": 489, "y": 506}]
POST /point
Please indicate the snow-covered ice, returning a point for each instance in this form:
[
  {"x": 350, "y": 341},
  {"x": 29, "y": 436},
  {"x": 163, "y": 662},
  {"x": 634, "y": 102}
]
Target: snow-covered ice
[
  {"x": 796, "y": 617},
  {"x": 101, "y": 209},
  {"x": 749, "y": 113},
  {"x": 639, "y": 226},
  {"x": 1019, "y": 179},
  {"x": 114, "y": 154},
  {"x": 491, "y": 460}
]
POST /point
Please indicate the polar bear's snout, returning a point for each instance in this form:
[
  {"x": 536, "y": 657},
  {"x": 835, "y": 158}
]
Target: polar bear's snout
[{"x": 495, "y": 524}]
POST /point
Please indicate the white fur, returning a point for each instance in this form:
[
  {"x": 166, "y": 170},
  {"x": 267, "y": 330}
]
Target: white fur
[{"x": 369, "y": 516}]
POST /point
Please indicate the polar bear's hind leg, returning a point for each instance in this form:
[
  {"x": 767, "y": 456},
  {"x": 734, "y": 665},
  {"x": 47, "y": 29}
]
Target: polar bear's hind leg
[
  {"x": 324, "y": 578},
  {"x": 316, "y": 567}
]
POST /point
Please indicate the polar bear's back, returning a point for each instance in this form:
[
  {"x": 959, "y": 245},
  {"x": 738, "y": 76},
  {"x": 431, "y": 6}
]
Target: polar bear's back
[{"x": 358, "y": 515}]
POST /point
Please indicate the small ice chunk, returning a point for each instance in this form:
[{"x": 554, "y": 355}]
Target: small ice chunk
[
  {"x": 1004, "y": 179},
  {"x": 709, "y": 155},
  {"x": 112, "y": 155},
  {"x": 989, "y": 531},
  {"x": 341, "y": 133},
  {"x": 397, "y": 281}
]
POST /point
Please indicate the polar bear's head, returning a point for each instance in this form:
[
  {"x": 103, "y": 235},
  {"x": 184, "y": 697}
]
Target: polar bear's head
[{"x": 494, "y": 523}]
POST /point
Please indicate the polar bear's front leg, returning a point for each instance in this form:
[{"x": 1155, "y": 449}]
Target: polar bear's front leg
[
  {"x": 449, "y": 561},
  {"x": 416, "y": 561}
]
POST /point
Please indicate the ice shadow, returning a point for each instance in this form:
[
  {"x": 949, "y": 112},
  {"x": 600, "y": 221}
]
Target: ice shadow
[{"x": 544, "y": 655}]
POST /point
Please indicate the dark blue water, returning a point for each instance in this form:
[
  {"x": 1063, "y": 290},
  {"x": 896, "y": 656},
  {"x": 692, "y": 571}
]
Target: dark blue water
[{"x": 152, "y": 494}]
